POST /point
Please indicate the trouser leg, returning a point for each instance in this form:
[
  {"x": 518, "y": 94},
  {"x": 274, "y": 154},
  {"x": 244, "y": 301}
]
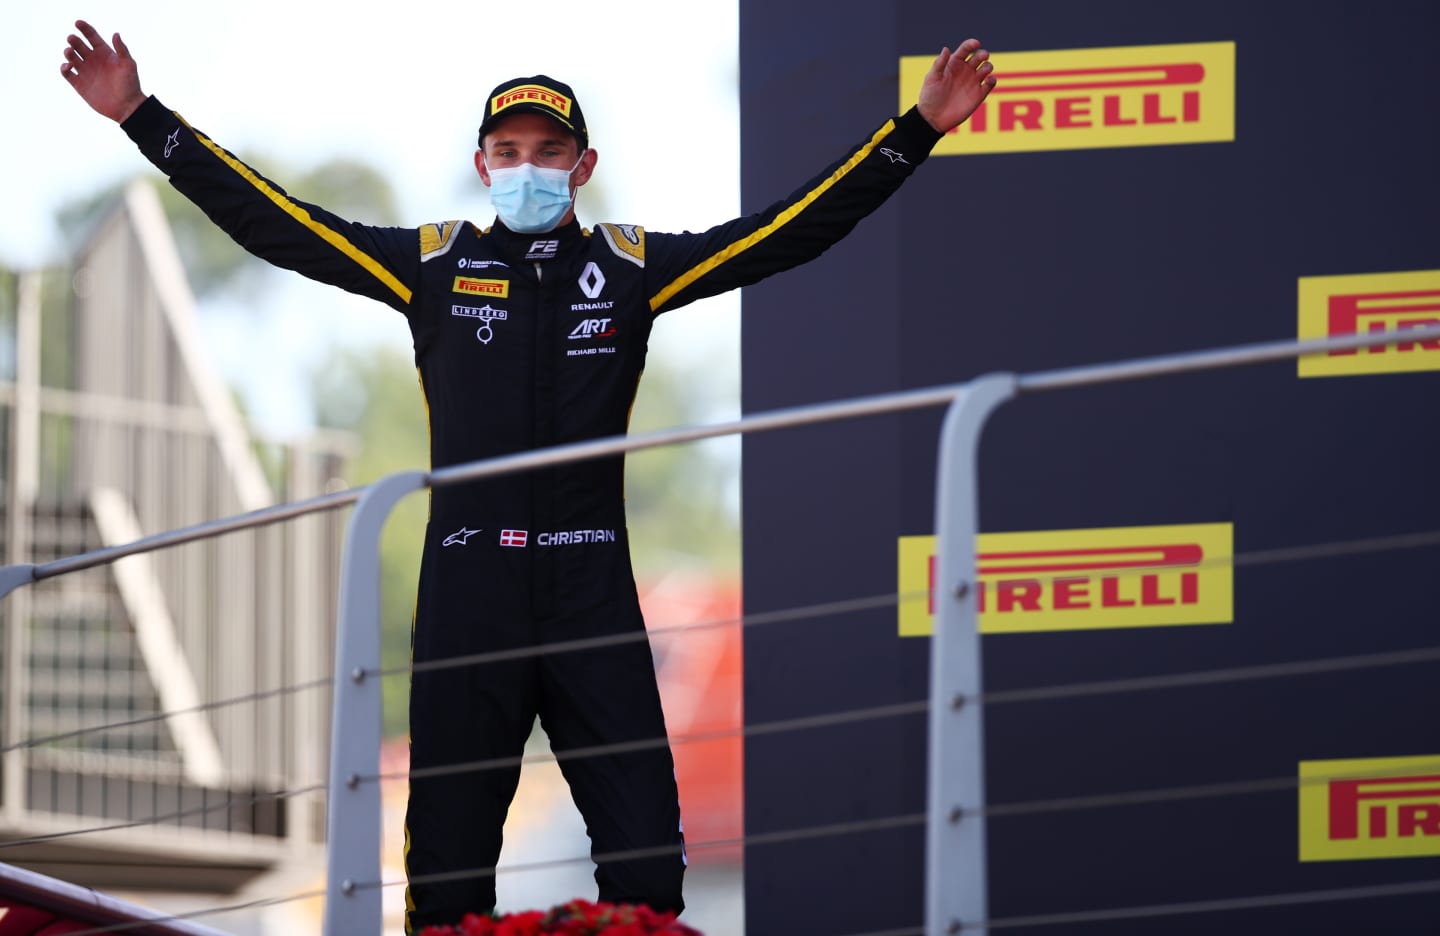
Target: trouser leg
[
  {"x": 459, "y": 716},
  {"x": 629, "y": 800},
  {"x": 454, "y": 821}
]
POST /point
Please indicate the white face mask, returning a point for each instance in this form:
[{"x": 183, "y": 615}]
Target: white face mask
[{"x": 531, "y": 200}]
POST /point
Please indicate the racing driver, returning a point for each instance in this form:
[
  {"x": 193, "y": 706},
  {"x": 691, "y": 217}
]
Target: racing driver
[{"x": 530, "y": 333}]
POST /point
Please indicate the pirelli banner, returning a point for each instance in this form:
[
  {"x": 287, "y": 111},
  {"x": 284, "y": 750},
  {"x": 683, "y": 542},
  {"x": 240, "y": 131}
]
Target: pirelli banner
[{"x": 1251, "y": 554}]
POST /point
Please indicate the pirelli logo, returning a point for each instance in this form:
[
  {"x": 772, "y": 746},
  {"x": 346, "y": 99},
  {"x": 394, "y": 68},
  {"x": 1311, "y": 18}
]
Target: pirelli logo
[
  {"x": 1095, "y": 98},
  {"x": 1375, "y": 302},
  {"x": 535, "y": 93},
  {"x": 1094, "y": 579},
  {"x": 470, "y": 286},
  {"x": 1372, "y": 808}
]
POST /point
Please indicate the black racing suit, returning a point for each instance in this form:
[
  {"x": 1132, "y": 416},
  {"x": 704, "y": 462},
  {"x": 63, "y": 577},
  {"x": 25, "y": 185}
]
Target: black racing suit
[{"x": 524, "y": 341}]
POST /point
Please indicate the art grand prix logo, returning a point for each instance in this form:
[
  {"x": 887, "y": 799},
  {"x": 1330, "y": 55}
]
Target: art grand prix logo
[
  {"x": 1372, "y": 808},
  {"x": 1095, "y": 98},
  {"x": 1094, "y": 579},
  {"x": 1372, "y": 302}
]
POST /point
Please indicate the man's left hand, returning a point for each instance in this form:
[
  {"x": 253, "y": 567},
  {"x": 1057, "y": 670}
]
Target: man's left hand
[{"x": 955, "y": 85}]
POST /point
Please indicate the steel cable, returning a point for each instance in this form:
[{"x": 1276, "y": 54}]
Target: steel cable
[
  {"x": 1331, "y": 895},
  {"x": 197, "y": 914},
  {"x": 1334, "y": 549},
  {"x": 600, "y": 750},
  {"x": 803, "y": 612},
  {"x": 1221, "y": 905},
  {"x": 1033, "y": 807},
  {"x": 259, "y": 696},
  {"x": 1049, "y": 693},
  {"x": 896, "y": 822},
  {"x": 167, "y": 817},
  {"x": 886, "y": 711},
  {"x": 660, "y": 851},
  {"x": 1010, "y": 696}
]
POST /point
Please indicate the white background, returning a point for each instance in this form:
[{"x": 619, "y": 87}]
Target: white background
[{"x": 400, "y": 86}]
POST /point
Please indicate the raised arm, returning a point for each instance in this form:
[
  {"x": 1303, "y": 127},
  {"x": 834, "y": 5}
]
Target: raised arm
[
  {"x": 797, "y": 229},
  {"x": 955, "y": 85},
  {"x": 107, "y": 79},
  {"x": 380, "y": 262}
]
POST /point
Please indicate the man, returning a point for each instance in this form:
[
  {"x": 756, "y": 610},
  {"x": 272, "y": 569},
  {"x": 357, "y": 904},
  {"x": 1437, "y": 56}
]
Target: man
[{"x": 530, "y": 333}]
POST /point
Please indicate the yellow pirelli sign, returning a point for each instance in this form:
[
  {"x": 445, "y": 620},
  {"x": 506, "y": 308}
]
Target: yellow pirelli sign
[
  {"x": 1094, "y": 98},
  {"x": 1380, "y": 807},
  {"x": 1370, "y": 302},
  {"x": 1153, "y": 576}
]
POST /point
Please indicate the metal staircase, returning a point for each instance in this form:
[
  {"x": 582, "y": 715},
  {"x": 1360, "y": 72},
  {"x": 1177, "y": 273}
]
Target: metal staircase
[{"x": 152, "y": 734}]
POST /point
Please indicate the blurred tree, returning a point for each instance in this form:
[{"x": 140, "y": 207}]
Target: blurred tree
[
  {"x": 375, "y": 393},
  {"x": 213, "y": 262},
  {"x": 9, "y": 300},
  {"x": 678, "y": 499},
  {"x": 57, "y": 367}
]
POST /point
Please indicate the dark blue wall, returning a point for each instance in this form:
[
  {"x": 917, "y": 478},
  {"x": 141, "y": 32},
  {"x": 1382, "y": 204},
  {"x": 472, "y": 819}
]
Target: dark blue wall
[{"x": 1035, "y": 260}]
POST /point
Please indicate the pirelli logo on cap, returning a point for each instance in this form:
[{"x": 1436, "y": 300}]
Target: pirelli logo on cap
[
  {"x": 1385, "y": 807},
  {"x": 470, "y": 286},
  {"x": 1374, "y": 302},
  {"x": 1095, "y": 98},
  {"x": 530, "y": 93},
  {"x": 1155, "y": 576}
]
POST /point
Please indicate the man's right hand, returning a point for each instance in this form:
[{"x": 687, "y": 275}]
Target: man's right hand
[{"x": 107, "y": 79}]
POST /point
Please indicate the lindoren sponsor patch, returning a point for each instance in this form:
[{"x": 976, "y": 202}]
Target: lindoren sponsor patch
[
  {"x": 1095, "y": 98},
  {"x": 1370, "y": 302},
  {"x": 1115, "y": 577},
  {"x": 1378, "y": 807}
]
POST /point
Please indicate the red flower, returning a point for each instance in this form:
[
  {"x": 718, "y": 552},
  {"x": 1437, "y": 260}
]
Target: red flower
[
  {"x": 576, "y": 918},
  {"x": 475, "y": 924},
  {"x": 529, "y": 923}
]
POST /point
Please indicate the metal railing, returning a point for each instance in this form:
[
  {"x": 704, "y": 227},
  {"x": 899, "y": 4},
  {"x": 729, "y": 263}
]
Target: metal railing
[
  {"x": 955, "y": 850},
  {"x": 81, "y": 903},
  {"x": 956, "y": 806}
]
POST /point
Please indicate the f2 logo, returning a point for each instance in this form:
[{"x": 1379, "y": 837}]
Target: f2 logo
[
  {"x": 543, "y": 250},
  {"x": 592, "y": 280}
]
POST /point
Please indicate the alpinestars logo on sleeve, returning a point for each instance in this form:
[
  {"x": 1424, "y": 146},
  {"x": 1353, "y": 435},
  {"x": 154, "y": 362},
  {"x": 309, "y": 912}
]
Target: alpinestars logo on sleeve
[{"x": 460, "y": 537}]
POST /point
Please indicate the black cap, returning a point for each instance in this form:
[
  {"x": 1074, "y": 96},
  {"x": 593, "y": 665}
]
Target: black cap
[{"x": 538, "y": 94}]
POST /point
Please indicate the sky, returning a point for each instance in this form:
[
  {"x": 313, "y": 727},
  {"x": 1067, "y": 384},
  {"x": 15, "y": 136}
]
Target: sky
[{"x": 400, "y": 87}]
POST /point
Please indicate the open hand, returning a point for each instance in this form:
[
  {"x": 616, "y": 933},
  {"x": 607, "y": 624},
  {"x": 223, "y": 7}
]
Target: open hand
[
  {"x": 955, "y": 85},
  {"x": 107, "y": 79}
]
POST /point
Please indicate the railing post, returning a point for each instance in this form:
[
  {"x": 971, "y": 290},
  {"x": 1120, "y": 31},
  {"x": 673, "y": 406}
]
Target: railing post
[
  {"x": 22, "y": 490},
  {"x": 354, "y": 821},
  {"x": 956, "y": 882}
]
